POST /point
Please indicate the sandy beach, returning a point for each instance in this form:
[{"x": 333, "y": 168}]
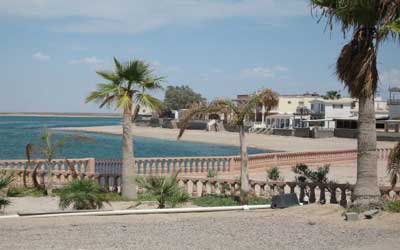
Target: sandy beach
[{"x": 271, "y": 142}]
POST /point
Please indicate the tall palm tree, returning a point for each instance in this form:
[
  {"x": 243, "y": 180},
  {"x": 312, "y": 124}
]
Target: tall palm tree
[
  {"x": 239, "y": 113},
  {"x": 125, "y": 88},
  {"x": 370, "y": 22}
]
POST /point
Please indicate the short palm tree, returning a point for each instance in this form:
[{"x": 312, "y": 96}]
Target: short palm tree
[
  {"x": 82, "y": 194},
  {"x": 393, "y": 166},
  {"x": 370, "y": 22},
  {"x": 239, "y": 113},
  {"x": 165, "y": 188},
  {"x": 125, "y": 88}
]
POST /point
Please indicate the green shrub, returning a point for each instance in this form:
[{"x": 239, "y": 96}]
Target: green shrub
[
  {"x": 215, "y": 201},
  {"x": 274, "y": 174},
  {"x": 393, "y": 206},
  {"x": 306, "y": 174},
  {"x": 254, "y": 200},
  {"x": 5, "y": 180},
  {"x": 226, "y": 200},
  {"x": 22, "y": 192},
  {"x": 82, "y": 194},
  {"x": 164, "y": 188}
]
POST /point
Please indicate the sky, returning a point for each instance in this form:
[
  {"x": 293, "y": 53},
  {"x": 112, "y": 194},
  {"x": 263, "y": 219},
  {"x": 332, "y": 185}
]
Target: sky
[{"x": 50, "y": 49}]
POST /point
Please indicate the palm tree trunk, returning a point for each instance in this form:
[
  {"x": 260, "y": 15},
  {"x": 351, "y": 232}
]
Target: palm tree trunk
[
  {"x": 366, "y": 193},
  {"x": 244, "y": 171},
  {"x": 128, "y": 167},
  {"x": 49, "y": 178}
]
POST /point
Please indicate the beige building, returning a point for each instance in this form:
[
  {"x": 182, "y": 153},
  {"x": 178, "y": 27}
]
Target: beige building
[{"x": 289, "y": 104}]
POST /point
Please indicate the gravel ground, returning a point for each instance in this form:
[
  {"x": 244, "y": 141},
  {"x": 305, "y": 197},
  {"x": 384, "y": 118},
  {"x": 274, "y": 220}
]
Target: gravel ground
[{"x": 311, "y": 227}]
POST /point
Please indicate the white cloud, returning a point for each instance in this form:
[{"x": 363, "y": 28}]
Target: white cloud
[
  {"x": 88, "y": 61},
  {"x": 41, "y": 56},
  {"x": 133, "y": 16},
  {"x": 262, "y": 72}
]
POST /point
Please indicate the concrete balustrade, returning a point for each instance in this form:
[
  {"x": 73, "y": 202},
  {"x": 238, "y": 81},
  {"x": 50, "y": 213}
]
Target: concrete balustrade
[{"x": 108, "y": 171}]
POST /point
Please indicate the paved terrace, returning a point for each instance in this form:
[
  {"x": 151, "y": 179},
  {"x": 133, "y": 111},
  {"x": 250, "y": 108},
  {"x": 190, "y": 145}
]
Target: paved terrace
[{"x": 278, "y": 143}]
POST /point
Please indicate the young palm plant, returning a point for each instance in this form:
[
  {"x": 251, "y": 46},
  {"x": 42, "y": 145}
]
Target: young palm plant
[
  {"x": 239, "y": 112},
  {"x": 164, "y": 188},
  {"x": 125, "y": 88},
  {"x": 370, "y": 22},
  {"x": 82, "y": 194},
  {"x": 393, "y": 166}
]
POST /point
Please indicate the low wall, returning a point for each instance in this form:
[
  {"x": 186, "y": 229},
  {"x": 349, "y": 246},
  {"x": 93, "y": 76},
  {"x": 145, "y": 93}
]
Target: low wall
[
  {"x": 345, "y": 133},
  {"x": 302, "y": 132},
  {"x": 282, "y": 132},
  {"x": 322, "y": 133}
]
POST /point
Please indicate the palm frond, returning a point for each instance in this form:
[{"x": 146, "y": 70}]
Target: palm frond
[
  {"x": 124, "y": 101},
  {"x": 147, "y": 100},
  {"x": 198, "y": 109},
  {"x": 103, "y": 93},
  {"x": 111, "y": 76}
]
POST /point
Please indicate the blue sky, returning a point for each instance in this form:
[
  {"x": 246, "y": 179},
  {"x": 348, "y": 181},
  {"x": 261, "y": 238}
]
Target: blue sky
[{"x": 50, "y": 49}]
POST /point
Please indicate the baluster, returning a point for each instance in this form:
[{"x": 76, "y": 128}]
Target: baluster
[
  {"x": 189, "y": 185},
  {"x": 302, "y": 193},
  {"x": 322, "y": 198},
  {"x": 292, "y": 186},
  {"x": 333, "y": 199},
  {"x": 312, "y": 192},
  {"x": 194, "y": 189},
  {"x": 343, "y": 197}
]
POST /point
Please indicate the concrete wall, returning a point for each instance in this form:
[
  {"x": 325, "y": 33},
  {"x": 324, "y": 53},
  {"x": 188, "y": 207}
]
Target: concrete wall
[
  {"x": 345, "y": 133},
  {"x": 302, "y": 132},
  {"x": 321, "y": 133},
  {"x": 283, "y": 132}
]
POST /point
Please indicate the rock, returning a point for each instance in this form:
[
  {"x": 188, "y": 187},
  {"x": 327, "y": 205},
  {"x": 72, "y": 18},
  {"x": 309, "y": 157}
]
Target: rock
[
  {"x": 312, "y": 223},
  {"x": 351, "y": 216},
  {"x": 371, "y": 213}
]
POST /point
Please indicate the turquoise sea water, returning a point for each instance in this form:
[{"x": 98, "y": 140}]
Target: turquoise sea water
[{"x": 16, "y": 132}]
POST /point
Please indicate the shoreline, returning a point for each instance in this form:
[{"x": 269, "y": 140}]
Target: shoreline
[
  {"x": 267, "y": 142},
  {"x": 50, "y": 114}
]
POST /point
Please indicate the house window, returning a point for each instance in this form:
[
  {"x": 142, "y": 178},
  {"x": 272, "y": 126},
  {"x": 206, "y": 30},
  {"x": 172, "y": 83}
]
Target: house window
[
  {"x": 337, "y": 106},
  {"x": 289, "y": 102},
  {"x": 301, "y": 103},
  {"x": 312, "y": 106}
]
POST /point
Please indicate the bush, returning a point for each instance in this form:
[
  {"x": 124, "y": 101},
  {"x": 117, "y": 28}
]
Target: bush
[
  {"x": 306, "y": 174},
  {"x": 5, "y": 180},
  {"x": 226, "y": 200},
  {"x": 393, "y": 206},
  {"x": 82, "y": 194},
  {"x": 273, "y": 174},
  {"x": 164, "y": 188},
  {"x": 215, "y": 201},
  {"x": 22, "y": 192}
]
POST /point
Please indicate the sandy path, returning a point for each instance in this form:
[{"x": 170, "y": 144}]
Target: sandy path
[
  {"x": 279, "y": 143},
  {"x": 310, "y": 227}
]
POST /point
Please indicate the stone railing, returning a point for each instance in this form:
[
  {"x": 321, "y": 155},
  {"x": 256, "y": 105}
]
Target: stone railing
[
  {"x": 61, "y": 170},
  {"x": 293, "y": 158},
  {"x": 315, "y": 192},
  {"x": 109, "y": 171}
]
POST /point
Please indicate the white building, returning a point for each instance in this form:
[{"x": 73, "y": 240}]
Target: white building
[{"x": 394, "y": 103}]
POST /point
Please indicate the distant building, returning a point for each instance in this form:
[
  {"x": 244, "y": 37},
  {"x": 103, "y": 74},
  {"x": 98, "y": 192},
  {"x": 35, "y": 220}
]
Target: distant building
[{"x": 394, "y": 103}]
